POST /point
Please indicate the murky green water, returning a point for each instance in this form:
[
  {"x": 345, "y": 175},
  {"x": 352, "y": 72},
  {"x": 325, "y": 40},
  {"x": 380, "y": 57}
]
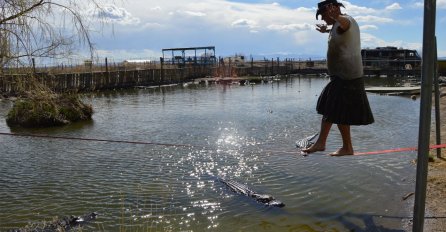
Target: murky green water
[{"x": 246, "y": 133}]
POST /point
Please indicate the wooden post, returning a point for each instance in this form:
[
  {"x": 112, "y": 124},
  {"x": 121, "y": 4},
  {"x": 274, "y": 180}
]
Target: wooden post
[
  {"x": 272, "y": 66},
  {"x": 230, "y": 68},
  {"x": 106, "y": 65},
  {"x": 34, "y": 66},
  {"x": 287, "y": 61},
  {"x": 107, "y": 74},
  {"x": 162, "y": 71},
  {"x": 252, "y": 65}
]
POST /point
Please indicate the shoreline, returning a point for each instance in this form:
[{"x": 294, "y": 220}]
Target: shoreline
[{"x": 435, "y": 209}]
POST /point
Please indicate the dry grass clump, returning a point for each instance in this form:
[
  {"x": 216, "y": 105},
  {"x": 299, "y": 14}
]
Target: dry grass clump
[
  {"x": 38, "y": 106},
  {"x": 49, "y": 110}
]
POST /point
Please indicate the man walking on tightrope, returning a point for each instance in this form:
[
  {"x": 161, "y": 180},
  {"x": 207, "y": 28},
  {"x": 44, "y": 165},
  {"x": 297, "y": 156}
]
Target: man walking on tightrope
[{"x": 343, "y": 101}]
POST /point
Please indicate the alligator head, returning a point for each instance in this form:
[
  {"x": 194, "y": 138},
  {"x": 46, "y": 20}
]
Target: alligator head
[
  {"x": 264, "y": 198},
  {"x": 276, "y": 203}
]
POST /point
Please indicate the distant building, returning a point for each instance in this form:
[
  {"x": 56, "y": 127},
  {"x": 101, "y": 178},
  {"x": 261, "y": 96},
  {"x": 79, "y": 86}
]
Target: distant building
[
  {"x": 236, "y": 60},
  {"x": 391, "y": 58},
  {"x": 202, "y": 56}
]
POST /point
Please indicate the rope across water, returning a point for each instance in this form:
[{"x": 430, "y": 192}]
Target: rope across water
[
  {"x": 95, "y": 140},
  {"x": 190, "y": 145}
]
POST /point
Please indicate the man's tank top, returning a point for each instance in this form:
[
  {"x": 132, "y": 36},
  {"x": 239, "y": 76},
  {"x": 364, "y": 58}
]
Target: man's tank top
[{"x": 344, "y": 52}]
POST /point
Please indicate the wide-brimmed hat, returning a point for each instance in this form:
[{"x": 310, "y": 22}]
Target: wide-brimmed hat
[{"x": 321, "y": 6}]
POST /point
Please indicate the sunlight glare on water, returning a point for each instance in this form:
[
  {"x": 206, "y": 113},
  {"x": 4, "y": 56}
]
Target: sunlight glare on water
[{"x": 244, "y": 133}]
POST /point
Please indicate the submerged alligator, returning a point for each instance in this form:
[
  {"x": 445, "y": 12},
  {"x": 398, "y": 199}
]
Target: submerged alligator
[
  {"x": 64, "y": 224},
  {"x": 245, "y": 190},
  {"x": 306, "y": 142}
]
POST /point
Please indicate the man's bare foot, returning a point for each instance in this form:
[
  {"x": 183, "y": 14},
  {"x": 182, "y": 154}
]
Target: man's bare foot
[
  {"x": 342, "y": 152},
  {"x": 313, "y": 148}
]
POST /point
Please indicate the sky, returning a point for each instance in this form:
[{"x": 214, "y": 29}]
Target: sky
[{"x": 140, "y": 29}]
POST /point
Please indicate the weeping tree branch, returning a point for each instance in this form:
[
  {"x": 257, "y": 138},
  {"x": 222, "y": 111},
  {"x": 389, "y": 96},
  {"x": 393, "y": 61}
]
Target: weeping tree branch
[
  {"x": 23, "y": 12},
  {"x": 28, "y": 29},
  {"x": 80, "y": 26},
  {"x": 41, "y": 28}
]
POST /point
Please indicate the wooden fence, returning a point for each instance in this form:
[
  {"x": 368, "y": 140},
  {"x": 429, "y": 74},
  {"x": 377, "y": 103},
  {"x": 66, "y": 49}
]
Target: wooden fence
[
  {"x": 90, "y": 81},
  {"x": 158, "y": 74},
  {"x": 102, "y": 80}
]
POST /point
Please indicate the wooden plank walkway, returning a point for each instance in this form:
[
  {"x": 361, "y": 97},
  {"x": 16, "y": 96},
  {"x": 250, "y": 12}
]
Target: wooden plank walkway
[{"x": 395, "y": 90}]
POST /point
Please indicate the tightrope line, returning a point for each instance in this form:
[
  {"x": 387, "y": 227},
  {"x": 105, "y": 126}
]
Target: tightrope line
[
  {"x": 96, "y": 140},
  {"x": 398, "y": 150},
  {"x": 190, "y": 145}
]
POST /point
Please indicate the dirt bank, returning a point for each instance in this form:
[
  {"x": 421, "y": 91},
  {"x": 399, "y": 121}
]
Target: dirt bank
[{"x": 436, "y": 185}]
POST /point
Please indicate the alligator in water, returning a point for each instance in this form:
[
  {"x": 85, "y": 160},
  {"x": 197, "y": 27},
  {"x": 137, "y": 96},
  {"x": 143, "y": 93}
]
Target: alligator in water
[
  {"x": 64, "y": 224},
  {"x": 245, "y": 190}
]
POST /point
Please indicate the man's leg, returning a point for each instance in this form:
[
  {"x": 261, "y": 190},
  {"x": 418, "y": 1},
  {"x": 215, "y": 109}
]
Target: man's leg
[
  {"x": 347, "y": 147},
  {"x": 322, "y": 139}
]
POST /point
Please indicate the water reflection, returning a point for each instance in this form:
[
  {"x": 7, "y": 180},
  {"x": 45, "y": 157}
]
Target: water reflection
[{"x": 246, "y": 133}]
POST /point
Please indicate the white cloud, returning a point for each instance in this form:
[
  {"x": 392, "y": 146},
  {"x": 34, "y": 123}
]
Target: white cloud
[
  {"x": 373, "y": 19},
  {"x": 250, "y": 27},
  {"x": 244, "y": 23},
  {"x": 441, "y": 4},
  {"x": 394, "y": 6},
  {"x": 418, "y": 4},
  {"x": 368, "y": 27},
  {"x": 371, "y": 41},
  {"x": 122, "y": 54},
  {"x": 193, "y": 13},
  {"x": 150, "y": 25},
  {"x": 222, "y": 14},
  {"x": 114, "y": 14},
  {"x": 302, "y": 38},
  {"x": 290, "y": 27},
  {"x": 357, "y": 10}
]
